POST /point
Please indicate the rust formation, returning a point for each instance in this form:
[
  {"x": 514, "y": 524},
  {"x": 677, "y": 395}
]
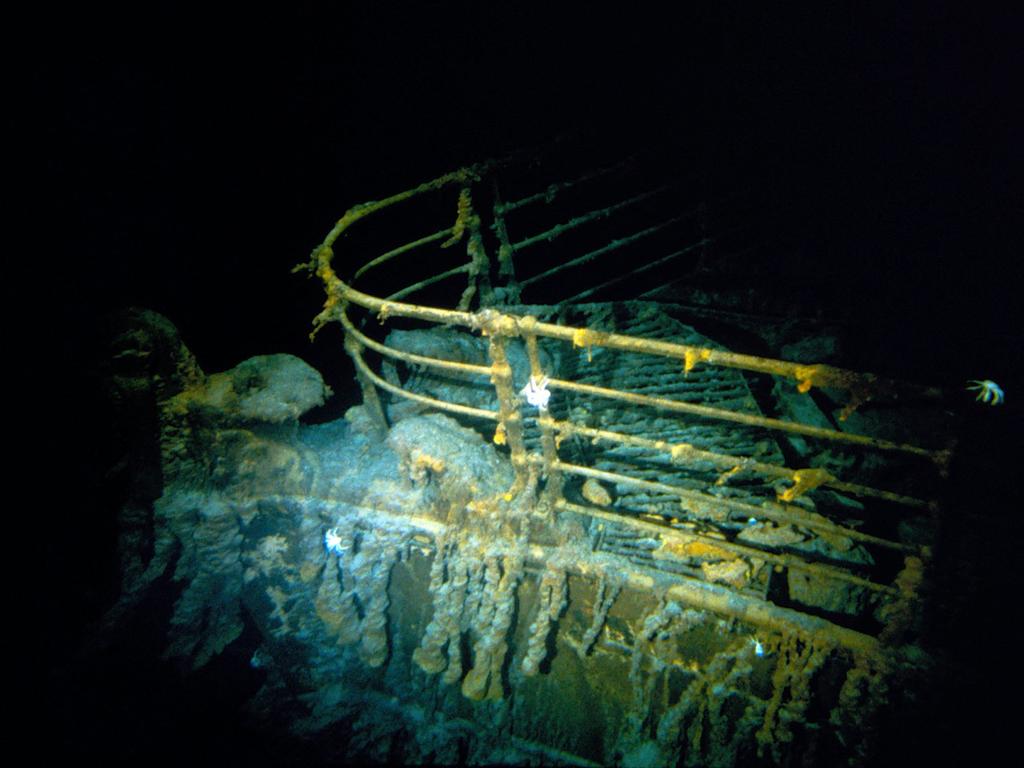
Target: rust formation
[{"x": 616, "y": 489}]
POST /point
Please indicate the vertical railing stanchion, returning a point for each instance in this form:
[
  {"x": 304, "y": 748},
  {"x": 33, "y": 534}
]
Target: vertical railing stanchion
[
  {"x": 506, "y": 265},
  {"x": 553, "y": 486},
  {"x": 510, "y": 420},
  {"x": 370, "y": 397},
  {"x": 481, "y": 270}
]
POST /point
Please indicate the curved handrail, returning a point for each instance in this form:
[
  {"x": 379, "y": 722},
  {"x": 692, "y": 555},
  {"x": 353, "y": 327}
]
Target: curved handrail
[{"x": 499, "y": 326}]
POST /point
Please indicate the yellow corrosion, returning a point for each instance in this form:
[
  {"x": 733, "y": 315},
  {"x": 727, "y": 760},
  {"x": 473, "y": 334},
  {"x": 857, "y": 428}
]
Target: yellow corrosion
[
  {"x": 692, "y": 356},
  {"x": 696, "y": 548},
  {"x": 465, "y": 210},
  {"x": 500, "y": 438},
  {"x": 580, "y": 340},
  {"x": 861, "y": 386},
  {"x": 807, "y": 376},
  {"x": 805, "y": 480},
  {"x": 735, "y": 573},
  {"x": 420, "y": 463},
  {"x": 725, "y": 476}
]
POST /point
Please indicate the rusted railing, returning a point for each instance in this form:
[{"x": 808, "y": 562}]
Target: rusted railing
[{"x": 491, "y": 287}]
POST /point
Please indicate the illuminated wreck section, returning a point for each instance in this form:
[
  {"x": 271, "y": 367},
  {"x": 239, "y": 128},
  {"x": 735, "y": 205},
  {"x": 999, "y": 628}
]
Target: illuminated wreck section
[{"x": 575, "y": 531}]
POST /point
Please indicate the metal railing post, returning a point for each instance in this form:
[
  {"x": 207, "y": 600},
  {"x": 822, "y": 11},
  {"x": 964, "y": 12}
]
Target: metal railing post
[
  {"x": 510, "y": 421},
  {"x": 370, "y": 397},
  {"x": 506, "y": 264},
  {"x": 554, "y": 479}
]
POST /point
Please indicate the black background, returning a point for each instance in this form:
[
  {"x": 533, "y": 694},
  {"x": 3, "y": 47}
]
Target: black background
[
  {"x": 193, "y": 157},
  {"x": 203, "y": 156}
]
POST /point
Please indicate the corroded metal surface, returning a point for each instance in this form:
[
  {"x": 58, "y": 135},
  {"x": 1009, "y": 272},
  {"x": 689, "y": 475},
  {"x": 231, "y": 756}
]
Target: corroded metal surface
[
  {"x": 648, "y": 409},
  {"x": 583, "y": 534}
]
